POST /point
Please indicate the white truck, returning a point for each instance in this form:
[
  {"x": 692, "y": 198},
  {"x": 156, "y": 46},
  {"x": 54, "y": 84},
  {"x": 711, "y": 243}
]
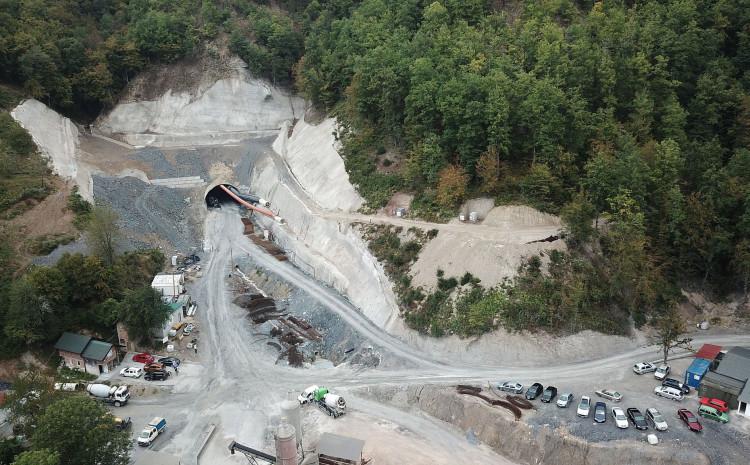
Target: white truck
[
  {"x": 154, "y": 428},
  {"x": 115, "y": 395},
  {"x": 333, "y": 404}
]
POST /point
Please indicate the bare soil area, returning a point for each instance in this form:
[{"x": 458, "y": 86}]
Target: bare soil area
[{"x": 490, "y": 258}]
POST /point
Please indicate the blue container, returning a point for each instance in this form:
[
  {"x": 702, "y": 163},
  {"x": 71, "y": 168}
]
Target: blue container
[{"x": 695, "y": 372}]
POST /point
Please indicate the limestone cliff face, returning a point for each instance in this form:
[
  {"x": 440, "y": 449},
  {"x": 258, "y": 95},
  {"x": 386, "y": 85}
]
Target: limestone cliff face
[
  {"x": 185, "y": 104},
  {"x": 57, "y": 138}
]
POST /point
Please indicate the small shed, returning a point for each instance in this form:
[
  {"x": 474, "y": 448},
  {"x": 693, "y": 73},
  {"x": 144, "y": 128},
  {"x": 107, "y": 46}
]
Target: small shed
[
  {"x": 721, "y": 387},
  {"x": 696, "y": 371},
  {"x": 169, "y": 284},
  {"x": 708, "y": 352},
  {"x": 339, "y": 450}
]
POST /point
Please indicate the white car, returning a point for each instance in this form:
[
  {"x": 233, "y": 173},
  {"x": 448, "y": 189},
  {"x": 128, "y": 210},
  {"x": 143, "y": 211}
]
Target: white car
[
  {"x": 668, "y": 392},
  {"x": 614, "y": 396},
  {"x": 656, "y": 418},
  {"x": 620, "y": 419},
  {"x": 584, "y": 406},
  {"x": 131, "y": 372},
  {"x": 661, "y": 372},
  {"x": 565, "y": 399},
  {"x": 511, "y": 386},
  {"x": 643, "y": 367}
]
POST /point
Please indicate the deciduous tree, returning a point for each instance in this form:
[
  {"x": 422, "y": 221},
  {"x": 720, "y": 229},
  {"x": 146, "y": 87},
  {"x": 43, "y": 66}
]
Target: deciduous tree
[
  {"x": 452, "y": 185},
  {"x": 103, "y": 232},
  {"x": 82, "y": 432}
]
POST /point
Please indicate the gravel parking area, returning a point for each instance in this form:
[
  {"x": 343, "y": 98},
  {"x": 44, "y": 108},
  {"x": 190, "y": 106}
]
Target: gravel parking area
[{"x": 723, "y": 444}]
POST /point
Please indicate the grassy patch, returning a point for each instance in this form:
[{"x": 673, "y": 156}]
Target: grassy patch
[
  {"x": 44, "y": 245},
  {"x": 66, "y": 375}
]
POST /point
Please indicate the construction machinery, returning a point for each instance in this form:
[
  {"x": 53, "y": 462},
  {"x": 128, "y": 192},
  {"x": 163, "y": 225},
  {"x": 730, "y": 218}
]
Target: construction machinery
[
  {"x": 253, "y": 455},
  {"x": 333, "y": 404}
]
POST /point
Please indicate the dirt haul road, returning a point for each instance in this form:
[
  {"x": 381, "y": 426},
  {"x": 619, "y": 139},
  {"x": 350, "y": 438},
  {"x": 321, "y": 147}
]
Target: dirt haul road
[
  {"x": 238, "y": 385},
  {"x": 479, "y": 231}
]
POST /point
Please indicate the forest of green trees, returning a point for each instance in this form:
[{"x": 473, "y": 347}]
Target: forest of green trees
[{"x": 634, "y": 116}]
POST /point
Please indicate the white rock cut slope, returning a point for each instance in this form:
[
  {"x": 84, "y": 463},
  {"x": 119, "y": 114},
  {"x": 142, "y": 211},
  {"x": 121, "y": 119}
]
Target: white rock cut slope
[{"x": 312, "y": 156}]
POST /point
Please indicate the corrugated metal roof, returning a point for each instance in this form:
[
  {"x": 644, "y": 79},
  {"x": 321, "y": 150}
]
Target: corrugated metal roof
[
  {"x": 97, "y": 350},
  {"x": 708, "y": 351},
  {"x": 161, "y": 280},
  {"x": 725, "y": 383},
  {"x": 736, "y": 364},
  {"x": 340, "y": 447},
  {"x": 71, "y": 342}
]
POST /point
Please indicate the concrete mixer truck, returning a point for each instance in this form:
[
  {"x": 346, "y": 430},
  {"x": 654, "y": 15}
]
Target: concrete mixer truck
[
  {"x": 115, "y": 395},
  {"x": 334, "y": 405}
]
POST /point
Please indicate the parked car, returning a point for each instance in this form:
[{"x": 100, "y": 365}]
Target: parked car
[
  {"x": 668, "y": 392},
  {"x": 662, "y": 372},
  {"x": 718, "y": 404},
  {"x": 188, "y": 329},
  {"x": 144, "y": 358},
  {"x": 600, "y": 412},
  {"x": 154, "y": 366},
  {"x": 643, "y": 367},
  {"x": 121, "y": 424},
  {"x": 534, "y": 391},
  {"x": 656, "y": 418},
  {"x": 584, "y": 406},
  {"x": 511, "y": 386},
  {"x": 156, "y": 375},
  {"x": 673, "y": 383},
  {"x": 637, "y": 418},
  {"x": 173, "y": 362},
  {"x": 549, "y": 394},
  {"x": 609, "y": 394},
  {"x": 711, "y": 413},
  {"x": 620, "y": 419},
  {"x": 690, "y": 420},
  {"x": 565, "y": 399},
  {"x": 131, "y": 372}
]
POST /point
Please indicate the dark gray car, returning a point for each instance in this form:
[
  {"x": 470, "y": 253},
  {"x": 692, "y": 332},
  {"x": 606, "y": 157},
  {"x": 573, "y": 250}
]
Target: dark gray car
[{"x": 600, "y": 412}]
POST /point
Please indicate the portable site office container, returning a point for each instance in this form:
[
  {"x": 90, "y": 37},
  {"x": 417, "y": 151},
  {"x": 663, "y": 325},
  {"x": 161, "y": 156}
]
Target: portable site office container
[{"x": 694, "y": 374}]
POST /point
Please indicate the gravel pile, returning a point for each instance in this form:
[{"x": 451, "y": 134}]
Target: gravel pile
[
  {"x": 147, "y": 211},
  {"x": 188, "y": 162}
]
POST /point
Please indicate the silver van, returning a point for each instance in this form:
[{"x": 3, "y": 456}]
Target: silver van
[{"x": 668, "y": 392}]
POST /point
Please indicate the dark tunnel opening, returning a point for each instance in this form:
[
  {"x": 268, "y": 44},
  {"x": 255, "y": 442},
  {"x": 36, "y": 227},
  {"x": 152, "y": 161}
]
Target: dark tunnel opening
[{"x": 217, "y": 197}]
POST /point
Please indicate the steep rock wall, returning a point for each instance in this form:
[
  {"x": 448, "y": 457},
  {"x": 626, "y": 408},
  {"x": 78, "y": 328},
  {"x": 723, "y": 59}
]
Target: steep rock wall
[
  {"x": 57, "y": 138},
  {"x": 330, "y": 251},
  {"x": 205, "y": 112},
  {"x": 312, "y": 156}
]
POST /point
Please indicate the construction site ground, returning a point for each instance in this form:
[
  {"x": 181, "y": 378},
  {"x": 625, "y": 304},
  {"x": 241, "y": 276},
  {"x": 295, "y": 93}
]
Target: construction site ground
[{"x": 233, "y": 387}]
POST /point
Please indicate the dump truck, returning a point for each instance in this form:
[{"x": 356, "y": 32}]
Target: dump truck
[
  {"x": 333, "y": 404},
  {"x": 154, "y": 428},
  {"x": 115, "y": 395}
]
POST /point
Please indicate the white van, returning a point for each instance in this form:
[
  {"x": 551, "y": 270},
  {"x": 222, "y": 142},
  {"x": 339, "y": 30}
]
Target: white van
[{"x": 668, "y": 392}]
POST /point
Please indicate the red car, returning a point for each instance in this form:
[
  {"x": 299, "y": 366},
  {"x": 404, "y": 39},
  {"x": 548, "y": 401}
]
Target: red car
[
  {"x": 144, "y": 358},
  {"x": 718, "y": 404},
  {"x": 690, "y": 420}
]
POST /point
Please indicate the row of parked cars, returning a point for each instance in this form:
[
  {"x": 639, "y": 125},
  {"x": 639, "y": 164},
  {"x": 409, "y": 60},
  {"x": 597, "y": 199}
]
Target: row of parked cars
[
  {"x": 155, "y": 370},
  {"x": 714, "y": 409}
]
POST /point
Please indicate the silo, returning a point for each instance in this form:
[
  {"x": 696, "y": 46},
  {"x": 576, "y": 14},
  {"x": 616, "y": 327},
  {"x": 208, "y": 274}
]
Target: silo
[
  {"x": 286, "y": 447},
  {"x": 290, "y": 410}
]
